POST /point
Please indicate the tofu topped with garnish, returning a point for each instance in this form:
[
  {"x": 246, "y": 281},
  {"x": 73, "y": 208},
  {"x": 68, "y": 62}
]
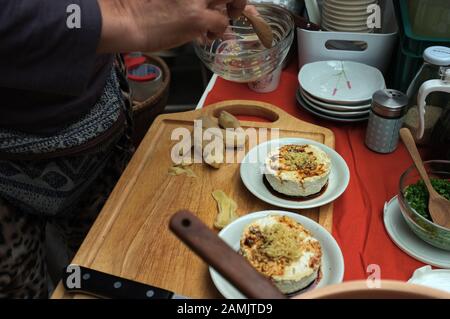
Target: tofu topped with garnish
[
  {"x": 284, "y": 251},
  {"x": 298, "y": 170}
]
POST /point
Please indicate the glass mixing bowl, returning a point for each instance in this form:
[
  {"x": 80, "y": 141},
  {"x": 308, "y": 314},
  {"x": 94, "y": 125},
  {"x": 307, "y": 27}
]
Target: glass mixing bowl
[
  {"x": 425, "y": 229},
  {"x": 239, "y": 56}
]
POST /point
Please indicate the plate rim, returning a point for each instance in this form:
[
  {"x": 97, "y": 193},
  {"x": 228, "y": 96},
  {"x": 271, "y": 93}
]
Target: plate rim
[
  {"x": 334, "y": 106},
  {"x": 351, "y": 18},
  {"x": 350, "y": 7},
  {"x": 213, "y": 273},
  {"x": 300, "y": 79},
  {"x": 299, "y": 205},
  {"x": 340, "y": 114},
  {"x": 327, "y": 117},
  {"x": 394, "y": 201}
]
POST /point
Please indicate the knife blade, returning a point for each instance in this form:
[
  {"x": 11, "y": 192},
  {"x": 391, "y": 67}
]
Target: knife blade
[{"x": 78, "y": 279}]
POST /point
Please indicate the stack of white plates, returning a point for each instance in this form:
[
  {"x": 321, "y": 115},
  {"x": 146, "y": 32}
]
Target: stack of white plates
[
  {"x": 338, "y": 90},
  {"x": 346, "y": 15}
]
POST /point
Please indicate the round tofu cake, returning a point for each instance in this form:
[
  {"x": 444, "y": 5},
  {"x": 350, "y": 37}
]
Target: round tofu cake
[
  {"x": 284, "y": 251},
  {"x": 298, "y": 170}
]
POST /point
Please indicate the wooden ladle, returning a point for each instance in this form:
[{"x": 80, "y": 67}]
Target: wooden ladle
[
  {"x": 438, "y": 206},
  {"x": 262, "y": 29}
]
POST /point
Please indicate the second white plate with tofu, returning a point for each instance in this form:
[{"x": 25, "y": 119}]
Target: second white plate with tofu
[
  {"x": 252, "y": 172},
  {"x": 332, "y": 261}
]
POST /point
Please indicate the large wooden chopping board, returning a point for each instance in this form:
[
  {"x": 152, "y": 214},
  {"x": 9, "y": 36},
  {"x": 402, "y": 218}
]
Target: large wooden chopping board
[{"x": 131, "y": 238}]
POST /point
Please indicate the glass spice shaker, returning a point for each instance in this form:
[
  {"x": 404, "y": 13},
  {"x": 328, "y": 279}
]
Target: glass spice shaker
[{"x": 386, "y": 118}]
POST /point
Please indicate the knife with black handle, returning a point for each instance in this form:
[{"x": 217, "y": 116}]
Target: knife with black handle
[{"x": 78, "y": 279}]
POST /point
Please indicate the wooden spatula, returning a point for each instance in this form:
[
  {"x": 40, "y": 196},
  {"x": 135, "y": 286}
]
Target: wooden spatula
[
  {"x": 262, "y": 29},
  {"x": 438, "y": 206},
  {"x": 216, "y": 253}
]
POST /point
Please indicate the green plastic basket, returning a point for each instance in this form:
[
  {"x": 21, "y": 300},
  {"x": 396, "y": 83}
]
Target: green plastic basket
[
  {"x": 405, "y": 68},
  {"x": 411, "y": 45},
  {"x": 426, "y": 20},
  {"x": 425, "y": 23}
]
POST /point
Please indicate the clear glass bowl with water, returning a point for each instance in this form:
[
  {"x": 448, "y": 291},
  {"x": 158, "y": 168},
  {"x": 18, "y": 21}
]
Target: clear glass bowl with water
[{"x": 239, "y": 56}]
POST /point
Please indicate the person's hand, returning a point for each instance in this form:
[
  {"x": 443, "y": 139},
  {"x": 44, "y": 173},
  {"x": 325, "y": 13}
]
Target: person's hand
[{"x": 152, "y": 25}]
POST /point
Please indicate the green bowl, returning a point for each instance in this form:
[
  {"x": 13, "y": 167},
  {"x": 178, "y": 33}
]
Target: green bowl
[{"x": 425, "y": 229}]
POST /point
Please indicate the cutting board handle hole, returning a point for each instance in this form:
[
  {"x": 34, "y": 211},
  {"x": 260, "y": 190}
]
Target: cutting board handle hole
[
  {"x": 185, "y": 222},
  {"x": 249, "y": 112}
]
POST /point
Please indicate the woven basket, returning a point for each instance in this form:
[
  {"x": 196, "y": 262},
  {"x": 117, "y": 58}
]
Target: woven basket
[{"x": 145, "y": 112}]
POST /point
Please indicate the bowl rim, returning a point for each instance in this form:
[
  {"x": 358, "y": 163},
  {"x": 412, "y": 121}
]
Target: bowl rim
[
  {"x": 281, "y": 43},
  {"x": 406, "y": 203},
  {"x": 361, "y": 287}
]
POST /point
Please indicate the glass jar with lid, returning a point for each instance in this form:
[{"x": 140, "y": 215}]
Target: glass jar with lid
[{"x": 436, "y": 67}]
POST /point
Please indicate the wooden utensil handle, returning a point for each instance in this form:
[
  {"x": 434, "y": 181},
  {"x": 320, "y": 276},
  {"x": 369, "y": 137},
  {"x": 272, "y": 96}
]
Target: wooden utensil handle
[
  {"x": 262, "y": 29},
  {"x": 214, "y": 251},
  {"x": 250, "y": 108},
  {"x": 410, "y": 144}
]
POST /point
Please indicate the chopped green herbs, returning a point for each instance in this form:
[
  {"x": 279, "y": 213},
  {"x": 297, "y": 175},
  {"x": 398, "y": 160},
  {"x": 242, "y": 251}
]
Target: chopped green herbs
[{"x": 417, "y": 195}]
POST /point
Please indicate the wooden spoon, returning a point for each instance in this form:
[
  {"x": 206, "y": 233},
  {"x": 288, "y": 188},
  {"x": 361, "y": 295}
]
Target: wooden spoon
[
  {"x": 262, "y": 29},
  {"x": 216, "y": 253},
  {"x": 438, "y": 206}
]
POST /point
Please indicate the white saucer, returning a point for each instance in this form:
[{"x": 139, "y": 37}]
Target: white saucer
[
  {"x": 339, "y": 17},
  {"x": 335, "y": 113},
  {"x": 341, "y": 82},
  {"x": 304, "y": 105},
  {"x": 335, "y": 107},
  {"x": 252, "y": 167},
  {"x": 434, "y": 278},
  {"x": 339, "y": 6},
  {"x": 407, "y": 241},
  {"x": 332, "y": 259}
]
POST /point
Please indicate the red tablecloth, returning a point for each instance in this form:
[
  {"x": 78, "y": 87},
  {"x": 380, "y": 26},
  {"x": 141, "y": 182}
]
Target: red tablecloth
[{"x": 358, "y": 214}]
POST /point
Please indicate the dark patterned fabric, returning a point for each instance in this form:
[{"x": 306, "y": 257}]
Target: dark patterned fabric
[
  {"x": 49, "y": 187},
  {"x": 98, "y": 120},
  {"x": 66, "y": 191},
  {"x": 23, "y": 270},
  {"x": 22, "y": 262}
]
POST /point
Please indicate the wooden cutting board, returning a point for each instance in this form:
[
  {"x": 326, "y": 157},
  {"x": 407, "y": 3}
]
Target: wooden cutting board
[{"x": 131, "y": 239}]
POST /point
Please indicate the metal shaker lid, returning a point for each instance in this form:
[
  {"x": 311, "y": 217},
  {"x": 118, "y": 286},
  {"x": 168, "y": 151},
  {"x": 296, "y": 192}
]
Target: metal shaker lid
[{"x": 389, "y": 103}]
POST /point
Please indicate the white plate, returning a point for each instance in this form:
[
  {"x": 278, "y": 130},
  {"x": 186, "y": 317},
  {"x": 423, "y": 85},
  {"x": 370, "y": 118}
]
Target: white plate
[
  {"x": 326, "y": 14},
  {"x": 343, "y": 10},
  {"x": 351, "y": 2},
  {"x": 325, "y": 80},
  {"x": 346, "y": 14},
  {"x": 339, "y": 6},
  {"x": 343, "y": 114},
  {"x": 311, "y": 110},
  {"x": 344, "y": 22},
  {"x": 338, "y": 114},
  {"x": 437, "y": 278},
  {"x": 407, "y": 241},
  {"x": 332, "y": 259},
  {"x": 252, "y": 175},
  {"x": 336, "y": 107}
]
